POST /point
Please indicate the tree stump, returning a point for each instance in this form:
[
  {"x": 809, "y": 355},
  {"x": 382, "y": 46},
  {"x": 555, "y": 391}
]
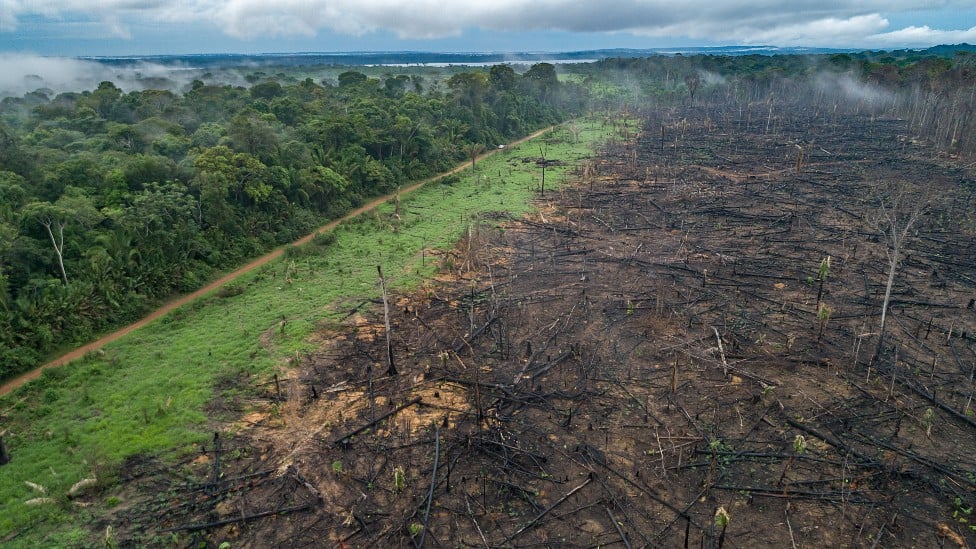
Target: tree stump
[{"x": 4, "y": 456}]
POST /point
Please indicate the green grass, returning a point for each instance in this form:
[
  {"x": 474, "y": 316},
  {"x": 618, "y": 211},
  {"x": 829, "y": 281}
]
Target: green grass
[{"x": 147, "y": 393}]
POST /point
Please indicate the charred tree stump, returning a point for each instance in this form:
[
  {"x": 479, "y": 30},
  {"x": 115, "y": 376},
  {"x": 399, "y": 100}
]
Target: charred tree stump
[
  {"x": 215, "y": 475},
  {"x": 4, "y": 456},
  {"x": 389, "y": 331}
]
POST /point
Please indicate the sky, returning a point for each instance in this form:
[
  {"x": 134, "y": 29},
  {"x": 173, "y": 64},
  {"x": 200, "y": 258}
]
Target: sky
[{"x": 151, "y": 27}]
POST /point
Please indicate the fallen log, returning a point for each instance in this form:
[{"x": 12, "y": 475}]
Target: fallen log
[
  {"x": 362, "y": 428},
  {"x": 246, "y": 518}
]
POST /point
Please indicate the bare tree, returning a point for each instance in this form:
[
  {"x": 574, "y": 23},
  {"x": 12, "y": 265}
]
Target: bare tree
[
  {"x": 392, "y": 370},
  {"x": 49, "y": 221},
  {"x": 692, "y": 82},
  {"x": 474, "y": 150},
  {"x": 542, "y": 153},
  {"x": 74, "y": 208},
  {"x": 575, "y": 130},
  {"x": 895, "y": 219}
]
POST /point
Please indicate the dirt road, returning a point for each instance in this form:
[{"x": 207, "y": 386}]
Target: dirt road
[{"x": 274, "y": 254}]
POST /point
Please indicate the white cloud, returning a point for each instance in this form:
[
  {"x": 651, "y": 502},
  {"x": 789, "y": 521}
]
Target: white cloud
[
  {"x": 922, "y": 36},
  {"x": 776, "y": 22},
  {"x": 829, "y": 31}
]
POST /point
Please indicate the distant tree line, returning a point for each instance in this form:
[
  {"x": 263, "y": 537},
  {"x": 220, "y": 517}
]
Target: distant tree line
[
  {"x": 111, "y": 201},
  {"x": 934, "y": 89}
]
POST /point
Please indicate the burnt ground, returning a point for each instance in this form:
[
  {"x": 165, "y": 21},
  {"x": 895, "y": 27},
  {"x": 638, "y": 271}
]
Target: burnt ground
[{"x": 657, "y": 347}]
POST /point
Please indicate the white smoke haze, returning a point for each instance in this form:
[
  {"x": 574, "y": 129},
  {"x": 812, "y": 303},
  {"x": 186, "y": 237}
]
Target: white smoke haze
[
  {"x": 849, "y": 87},
  {"x": 23, "y": 73},
  {"x": 836, "y": 23},
  {"x": 710, "y": 78}
]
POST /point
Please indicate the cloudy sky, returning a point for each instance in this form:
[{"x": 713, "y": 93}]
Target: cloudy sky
[{"x": 143, "y": 27}]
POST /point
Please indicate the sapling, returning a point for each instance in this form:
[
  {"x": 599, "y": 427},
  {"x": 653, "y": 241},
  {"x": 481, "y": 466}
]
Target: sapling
[
  {"x": 927, "y": 420},
  {"x": 799, "y": 448},
  {"x": 822, "y": 277},
  {"x": 722, "y": 520},
  {"x": 823, "y": 314},
  {"x": 399, "y": 479}
]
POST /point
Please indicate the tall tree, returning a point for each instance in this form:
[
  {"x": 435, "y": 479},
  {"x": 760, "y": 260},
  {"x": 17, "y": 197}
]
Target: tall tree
[{"x": 73, "y": 208}]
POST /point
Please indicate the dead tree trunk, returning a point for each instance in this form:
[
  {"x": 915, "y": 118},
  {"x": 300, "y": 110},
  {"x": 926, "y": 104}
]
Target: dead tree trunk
[
  {"x": 389, "y": 331},
  {"x": 4, "y": 456},
  {"x": 542, "y": 187},
  {"x": 894, "y": 221},
  {"x": 58, "y": 244}
]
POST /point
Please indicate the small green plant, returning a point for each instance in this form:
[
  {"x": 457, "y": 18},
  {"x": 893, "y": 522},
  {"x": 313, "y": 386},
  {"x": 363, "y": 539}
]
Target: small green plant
[
  {"x": 799, "y": 445},
  {"x": 824, "y": 269},
  {"x": 110, "y": 540},
  {"x": 337, "y": 467},
  {"x": 963, "y": 514},
  {"x": 721, "y": 520},
  {"x": 415, "y": 529},
  {"x": 799, "y": 448},
  {"x": 927, "y": 420},
  {"x": 716, "y": 445},
  {"x": 823, "y": 314},
  {"x": 399, "y": 479}
]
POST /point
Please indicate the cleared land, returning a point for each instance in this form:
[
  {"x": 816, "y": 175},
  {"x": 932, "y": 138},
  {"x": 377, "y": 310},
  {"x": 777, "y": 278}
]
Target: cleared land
[{"x": 660, "y": 356}]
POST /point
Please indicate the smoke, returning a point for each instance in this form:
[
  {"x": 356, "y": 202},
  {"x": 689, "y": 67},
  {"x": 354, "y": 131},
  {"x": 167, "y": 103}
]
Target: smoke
[
  {"x": 710, "y": 78},
  {"x": 851, "y": 88},
  {"x": 23, "y": 73}
]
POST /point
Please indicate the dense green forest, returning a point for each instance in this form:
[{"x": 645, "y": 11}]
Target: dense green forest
[{"x": 111, "y": 201}]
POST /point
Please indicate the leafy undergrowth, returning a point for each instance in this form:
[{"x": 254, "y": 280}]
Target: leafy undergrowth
[{"x": 159, "y": 391}]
